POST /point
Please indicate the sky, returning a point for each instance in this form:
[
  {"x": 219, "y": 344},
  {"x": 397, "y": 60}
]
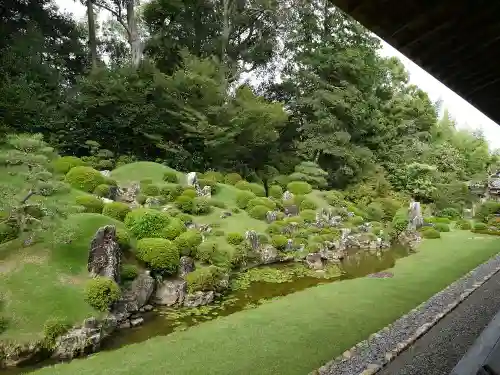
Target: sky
[{"x": 465, "y": 115}]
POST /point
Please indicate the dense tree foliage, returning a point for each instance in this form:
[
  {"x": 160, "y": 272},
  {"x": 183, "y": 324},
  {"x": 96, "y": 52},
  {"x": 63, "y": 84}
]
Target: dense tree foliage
[{"x": 326, "y": 106}]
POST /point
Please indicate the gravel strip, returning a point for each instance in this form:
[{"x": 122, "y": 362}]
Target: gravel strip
[{"x": 368, "y": 357}]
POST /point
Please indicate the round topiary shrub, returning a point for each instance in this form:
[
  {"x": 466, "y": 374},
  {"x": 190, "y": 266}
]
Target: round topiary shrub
[
  {"x": 443, "y": 220},
  {"x": 188, "y": 241},
  {"x": 170, "y": 176},
  {"x": 279, "y": 241},
  {"x": 449, "y": 212},
  {"x": 174, "y": 228},
  {"x": 334, "y": 197},
  {"x": 185, "y": 218},
  {"x": 431, "y": 233},
  {"x": 123, "y": 239},
  {"x": 184, "y": 203},
  {"x": 203, "y": 279},
  {"x": 64, "y": 164},
  {"x": 201, "y": 206},
  {"x": 92, "y": 204},
  {"x": 242, "y": 185},
  {"x": 55, "y": 327},
  {"x": 102, "y": 190},
  {"x": 116, "y": 210},
  {"x": 171, "y": 191},
  {"x": 308, "y": 204},
  {"x": 150, "y": 190},
  {"x": 206, "y": 251},
  {"x": 214, "y": 176},
  {"x": 356, "y": 220},
  {"x": 190, "y": 192},
  {"x": 258, "y": 212},
  {"x": 400, "y": 220},
  {"x": 129, "y": 272},
  {"x": 217, "y": 203},
  {"x": 234, "y": 238},
  {"x": 480, "y": 226},
  {"x": 257, "y": 189},
  {"x": 299, "y": 187},
  {"x": 101, "y": 293},
  {"x": 146, "y": 223},
  {"x": 84, "y": 178},
  {"x": 261, "y": 201},
  {"x": 8, "y": 232},
  {"x": 309, "y": 216},
  {"x": 275, "y": 228},
  {"x": 232, "y": 178},
  {"x": 442, "y": 227},
  {"x": 141, "y": 198},
  {"x": 276, "y": 191},
  {"x": 160, "y": 254},
  {"x": 243, "y": 197},
  {"x": 375, "y": 212},
  {"x": 464, "y": 224}
]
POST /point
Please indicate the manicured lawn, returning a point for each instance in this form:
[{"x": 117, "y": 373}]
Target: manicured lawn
[
  {"x": 142, "y": 170},
  {"x": 301, "y": 331},
  {"x": 47, "y": 280}
]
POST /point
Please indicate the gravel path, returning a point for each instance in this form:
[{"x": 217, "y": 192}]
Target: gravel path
[{"x": 380, "y": 348}]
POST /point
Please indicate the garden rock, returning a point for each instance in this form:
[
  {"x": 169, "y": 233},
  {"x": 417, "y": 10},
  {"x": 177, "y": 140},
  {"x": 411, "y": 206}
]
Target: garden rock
[
  {"x": 225, "y": 214},
  {"x": 136, "y": 322},
  {"x": 289, "y": 245},
  {"x": 287, "y": 196},
  {"x": 106, "y": 173},
  {"x": 291, "y": 210},
  {"x": 113, "y": 193},
  {"x": 252, "y": 237},
  {"x": 415, "y": 218},
  {"x": 19, "y": 354},
  {"x": 171, "y": 292},
  {"x": 206, "y": 192},
  {"x": 268, "y": 254},
  {"x": 186, "y": 265},
  {"x": 271, "y": 216},
  {"x": 105, "y": 255},
  {"x": 191, "y": 178},
  {"x": 128, "y": 193},
  {"x": 409, "y": 239},
  {"x": 315, "y": 261},
  {"x": 199, "y": 299},
  {"x": 135, "y": 297},
  {"x": 152, "y": 202}
]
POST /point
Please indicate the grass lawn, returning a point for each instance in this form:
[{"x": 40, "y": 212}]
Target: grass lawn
[
  {"x": 47, "y": 280},
  {"x": 143, "y": 170},
  {"x": 301, "y": 331}
]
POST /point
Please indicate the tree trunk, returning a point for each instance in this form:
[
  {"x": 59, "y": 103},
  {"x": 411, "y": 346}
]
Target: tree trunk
[
  {"x": 135, "y": 42},
  {"x": 92, "y": 36},
  {"x": 225, "y": 30}
]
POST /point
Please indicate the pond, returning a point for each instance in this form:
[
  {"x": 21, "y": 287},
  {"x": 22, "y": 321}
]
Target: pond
[{"x": 163, "y": 321}]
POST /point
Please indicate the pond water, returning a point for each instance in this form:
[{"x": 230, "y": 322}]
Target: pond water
[{"x": 163, "y": 321}]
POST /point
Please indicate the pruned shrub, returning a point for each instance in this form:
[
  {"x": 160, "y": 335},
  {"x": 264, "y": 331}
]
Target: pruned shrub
[
  {"x": 450, "y": 213},
  {"x": 261, "y": 201},
  {"x": 116, "y": 210},
  {"x": 487, "y": 209},
  {"x": 464, "y": 224},
  {"x": 257, "y": 189},
  {"x": 206, "y": 251},
  {"x": 309, "y": 216},
  {"x": 129, "y": 272},
  {"x": 400, "y": 220},
  {"x": 243, "y": 197},
  {"x": 431, "y": 233},
  {"x": 141, "y": 198},
  {"x": 92, "y": 204},
  {"x": 55, "y": 327},
  {"x": 279, "y": 241},
  {"x": 232, "y": 178},
  {"x": 190, "y": 192},
  {"x": 276, "y": 191},
  {"x": 214, "y": 176},
  {"x": 299, "y": 187},
  {"x": 234, "y": 238},
  {"x": 258, "y": 212},
  {"x": 184, "y": 203},
  {"x": 123, "y": 239},
  {"x": 8, "y": 232},
  {"x": 84, "y": 178},
  {"x": 217, "y": 203},
  {"x": 170, "y": 176},
  {"x": 64, "y": 164},
  {"x": 390, "y": 206},
  {"x": 188, "y": 241},
  {"x": 276, "y": 227},
  {"x": 480, "y": 226},
  {"x": 171, "y": 191},
  {"x": 308, "y": 204},
  {"x": 203, "y": 279},
  {"x": 375, "y": 212},
  {"x": 150, "y": 190},
  {"x": 356, "y": 220},
  {"x": 101, "y": 292},
  {"x": 102, "y": 190},
  {"x": 442, "y": 227},
  {"x": 311, "y": 173},
  {"x": 334, "y": 197},
  {"x": 201, "y": 206},
  {"x": 174, "y": 228},
  {"x": 160, "y": 254},
  {"x": 144, "y": 222},
  {"x": 280, "y": 180}
]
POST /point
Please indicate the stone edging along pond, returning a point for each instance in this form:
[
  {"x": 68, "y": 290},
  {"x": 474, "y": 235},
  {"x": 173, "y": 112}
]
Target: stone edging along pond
[{"x": 371, "y": 355}]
